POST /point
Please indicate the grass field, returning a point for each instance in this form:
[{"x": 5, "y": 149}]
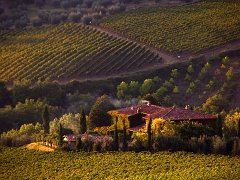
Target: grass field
[
  {"x": 188, "y": 28},
  {"x": 19, "y": 163},
  {"x": 67, "y": 51}
]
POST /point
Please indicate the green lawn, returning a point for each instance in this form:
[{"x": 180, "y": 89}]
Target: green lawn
[
  {"x": 19, "y": 163},
  {"x": 186, "y": 28}
]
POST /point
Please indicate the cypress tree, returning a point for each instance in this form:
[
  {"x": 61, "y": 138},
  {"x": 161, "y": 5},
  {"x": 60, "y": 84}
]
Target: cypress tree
[
  {"x": 60, "y": 135},
  {"x": 219, "y": 125},
  {"x": 45, "y": 120},
  {"x": 83, "y": 123},
  {"x": 149, "y": 134},
  {"x": 78, "y": 144},
  {"x": 125, "y": 144},
  {"x": 116, "y": 145},
  {"x": 238, "y": 128}
]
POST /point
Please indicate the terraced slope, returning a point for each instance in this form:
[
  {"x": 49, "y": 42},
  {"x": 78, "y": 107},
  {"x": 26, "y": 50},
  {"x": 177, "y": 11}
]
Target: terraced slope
[
  {"x": 68, "y": 51},
  {"x": 181, "y": 29}
]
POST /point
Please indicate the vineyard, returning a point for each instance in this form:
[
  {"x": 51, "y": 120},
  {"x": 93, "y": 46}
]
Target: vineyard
[
  {"x": 181, "y": 29},
  {"x": 67, "y": 51},
  {"x": 19, "y": 163}
]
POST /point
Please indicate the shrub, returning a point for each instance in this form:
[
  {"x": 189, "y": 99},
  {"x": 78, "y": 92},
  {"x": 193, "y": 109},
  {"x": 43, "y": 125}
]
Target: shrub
[
  {"x": 37, "y": 22},
  {"x": 87, "y": 20},
  {"x": 25, "y": 135},
  {"x": 236, "y": 147},
  {"x": 219, "y": 145},
  {"x": 117, "y": 9},
  {"x": 75, "y": 17},
  {"x": 97, "y": 143},
  {"x": 191, "y": 129},
  {"x": 210, "y": 84},
  {"x": 168, "y": 143},
  {"x": 139, "y": 141},
  {"x": 202, "y": 144},
  {"x": 231, "y": 123}
]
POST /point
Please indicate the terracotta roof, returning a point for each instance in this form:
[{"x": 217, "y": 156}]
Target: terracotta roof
[
  {"x": 176, "y": 114},
  {"x": 168, "y": 113},
  {"x": 145, "y": 108}
]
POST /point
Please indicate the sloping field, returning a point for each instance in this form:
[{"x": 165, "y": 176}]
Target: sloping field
[
  {"x": 68, "y": 51},
  {"x": 181, "y": 29},
  {"x": 18, "y": 163}
]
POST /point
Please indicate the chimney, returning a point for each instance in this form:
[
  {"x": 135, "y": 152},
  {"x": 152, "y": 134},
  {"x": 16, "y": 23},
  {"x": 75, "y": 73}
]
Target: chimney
[
  {"x": 139, "y": 110},
  {"x": 187, "y": 107}
]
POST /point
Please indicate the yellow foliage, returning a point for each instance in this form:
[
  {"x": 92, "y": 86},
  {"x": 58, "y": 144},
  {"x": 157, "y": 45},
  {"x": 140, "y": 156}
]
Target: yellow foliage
[{"x": 231, "y": 120}]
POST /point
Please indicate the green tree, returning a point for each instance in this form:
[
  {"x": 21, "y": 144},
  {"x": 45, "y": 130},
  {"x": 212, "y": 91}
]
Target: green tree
[
  {"x": 45, "y": 120},
  {"x": 215, "y": 104},
  {"x": 229, "y": 74},
  {"x": 116, "y": 144},
  {"x": 125, "y": 144},
  {"x": 149, "y": 132},
  {"x": 134, "y": 87},
  {"x": 187, "y": 77},
  {"x": 98, "y": 115},
  {"x": 160, "y": 93},
  {"x": 60, "y": 135},
  {"x": 204, "y": 70},
  {"x": 122, "y": 90},
  {"x": 176, "y": 90},
  {"x": 83, "y": 122},
  {"x": 190, "y": 69},
  {"x": 225, "y": 60},
  {"x": 150, "y": 98},
  {"x": 147, "y": 86},
  {"x": 174, "y": 73}
]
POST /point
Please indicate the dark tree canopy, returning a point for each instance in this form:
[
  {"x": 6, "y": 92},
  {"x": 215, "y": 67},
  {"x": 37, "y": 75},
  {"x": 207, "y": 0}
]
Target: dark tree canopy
[
  {"x": 98, "y": 115},
  {"x": 4, "y": 95}
]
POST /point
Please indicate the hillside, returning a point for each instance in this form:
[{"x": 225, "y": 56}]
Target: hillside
[
  {"x": 68, "y": 51},
  {"x": 19, "y": 163},
  {"x": 180, "y": 29}
]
